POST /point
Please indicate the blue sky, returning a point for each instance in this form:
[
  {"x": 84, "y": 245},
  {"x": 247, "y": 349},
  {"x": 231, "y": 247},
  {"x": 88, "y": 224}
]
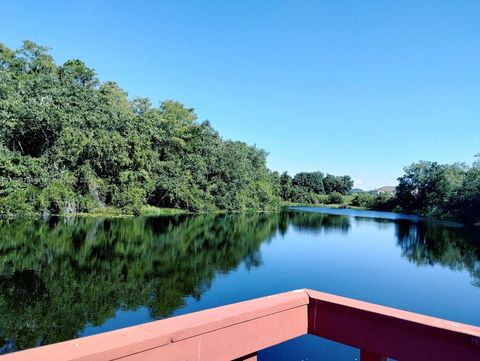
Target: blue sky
[{"x": 346, "y": 87}]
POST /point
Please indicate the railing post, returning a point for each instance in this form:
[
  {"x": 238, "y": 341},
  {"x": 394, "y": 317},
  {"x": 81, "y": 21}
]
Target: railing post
[
  {"x": 368, "y": 356},
  {"x": 250, "y": 357}
]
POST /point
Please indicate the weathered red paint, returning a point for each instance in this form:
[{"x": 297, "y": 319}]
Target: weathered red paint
[{"x": 237, "y": 331}]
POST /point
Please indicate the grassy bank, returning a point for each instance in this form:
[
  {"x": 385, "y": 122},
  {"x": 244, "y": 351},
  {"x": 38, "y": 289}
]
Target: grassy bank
[
  {"x": 111, "y": 212},
  {"x": 346, "y": 203},
  {"x": 338, "y": 206}
]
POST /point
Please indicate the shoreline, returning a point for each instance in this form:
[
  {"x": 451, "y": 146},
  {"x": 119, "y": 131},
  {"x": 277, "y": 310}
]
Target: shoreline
[
  {"x": 445, "y": 218},
  {"x": 152, "y": 211}
]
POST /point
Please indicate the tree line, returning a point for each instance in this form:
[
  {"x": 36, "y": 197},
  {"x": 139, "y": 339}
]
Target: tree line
[
  {"x": 433, "y": 189},
  {"x": 70, "y": 143},
  {"x": 314, "y": 187}
]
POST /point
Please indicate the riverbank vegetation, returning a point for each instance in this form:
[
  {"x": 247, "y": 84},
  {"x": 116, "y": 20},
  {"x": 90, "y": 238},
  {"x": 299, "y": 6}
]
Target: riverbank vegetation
[
  {"x": 314, "y": 188},
  {"x": 434, "y": 190},
  {"x": 71, "y": 144}
]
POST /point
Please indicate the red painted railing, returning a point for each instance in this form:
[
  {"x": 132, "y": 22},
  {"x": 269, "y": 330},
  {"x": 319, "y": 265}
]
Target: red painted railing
[{"x": 238, "y": 331}]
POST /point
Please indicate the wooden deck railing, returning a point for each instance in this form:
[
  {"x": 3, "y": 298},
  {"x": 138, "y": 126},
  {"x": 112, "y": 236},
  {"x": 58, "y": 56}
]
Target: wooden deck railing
[{"x": 238, "y": 331}]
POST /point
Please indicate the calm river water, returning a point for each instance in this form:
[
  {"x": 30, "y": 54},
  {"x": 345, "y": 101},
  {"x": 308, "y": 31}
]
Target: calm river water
[{"x": 71, "y": 277}]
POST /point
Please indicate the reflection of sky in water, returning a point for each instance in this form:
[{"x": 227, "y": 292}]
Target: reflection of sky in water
[
  {"x": 404, "y": 262},
  {"x": 361, "y": 261}
]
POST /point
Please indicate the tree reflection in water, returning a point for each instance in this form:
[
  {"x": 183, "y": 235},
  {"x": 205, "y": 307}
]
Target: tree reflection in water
[
  {"x": 427, "y": 243},
  {"x": 56, "y": 277}
]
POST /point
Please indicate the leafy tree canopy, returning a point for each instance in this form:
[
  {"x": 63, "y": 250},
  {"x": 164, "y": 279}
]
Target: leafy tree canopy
[{"x": 70, "y": 143}]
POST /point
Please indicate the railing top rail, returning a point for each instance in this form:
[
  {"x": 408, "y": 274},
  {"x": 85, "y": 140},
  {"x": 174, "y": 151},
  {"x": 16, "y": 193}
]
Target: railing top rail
[
  {"x": 240, "y": 329},
  {"x": 136, "y": 339}
]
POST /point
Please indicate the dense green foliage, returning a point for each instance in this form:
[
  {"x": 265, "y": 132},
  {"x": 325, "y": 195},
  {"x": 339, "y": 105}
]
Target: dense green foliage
[
  {"x": 70, "y": 143},
  {"x": 432, "y": 189},
  {"x": 364, "y": 200},
  {"x": 311, "y": 187},
  {"x": 381, "y": 201},
  {"x": 334, "y": 198}
]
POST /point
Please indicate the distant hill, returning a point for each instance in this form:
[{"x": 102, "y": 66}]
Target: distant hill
[
  {"x": 357, "y": 190},
  {"x": 384, "y": 189}
]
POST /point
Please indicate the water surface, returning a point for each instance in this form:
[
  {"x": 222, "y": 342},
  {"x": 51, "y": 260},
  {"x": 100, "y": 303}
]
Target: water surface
[{"x": 70, "y": 277}]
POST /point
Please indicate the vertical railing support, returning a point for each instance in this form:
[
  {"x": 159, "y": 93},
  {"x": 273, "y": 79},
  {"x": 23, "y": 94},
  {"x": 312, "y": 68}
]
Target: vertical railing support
[{"x": 368, "y": 356}]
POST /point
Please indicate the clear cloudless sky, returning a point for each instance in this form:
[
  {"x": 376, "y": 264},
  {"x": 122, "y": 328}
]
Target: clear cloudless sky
[{"x": 346, "y": 87}]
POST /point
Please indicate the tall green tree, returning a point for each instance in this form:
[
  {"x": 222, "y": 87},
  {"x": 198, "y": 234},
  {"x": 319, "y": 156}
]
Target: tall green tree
[
  {"x": 341, "y": 185},
  {"x": 310, "y": 181},
  {"x": 70, "y": 143}
]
